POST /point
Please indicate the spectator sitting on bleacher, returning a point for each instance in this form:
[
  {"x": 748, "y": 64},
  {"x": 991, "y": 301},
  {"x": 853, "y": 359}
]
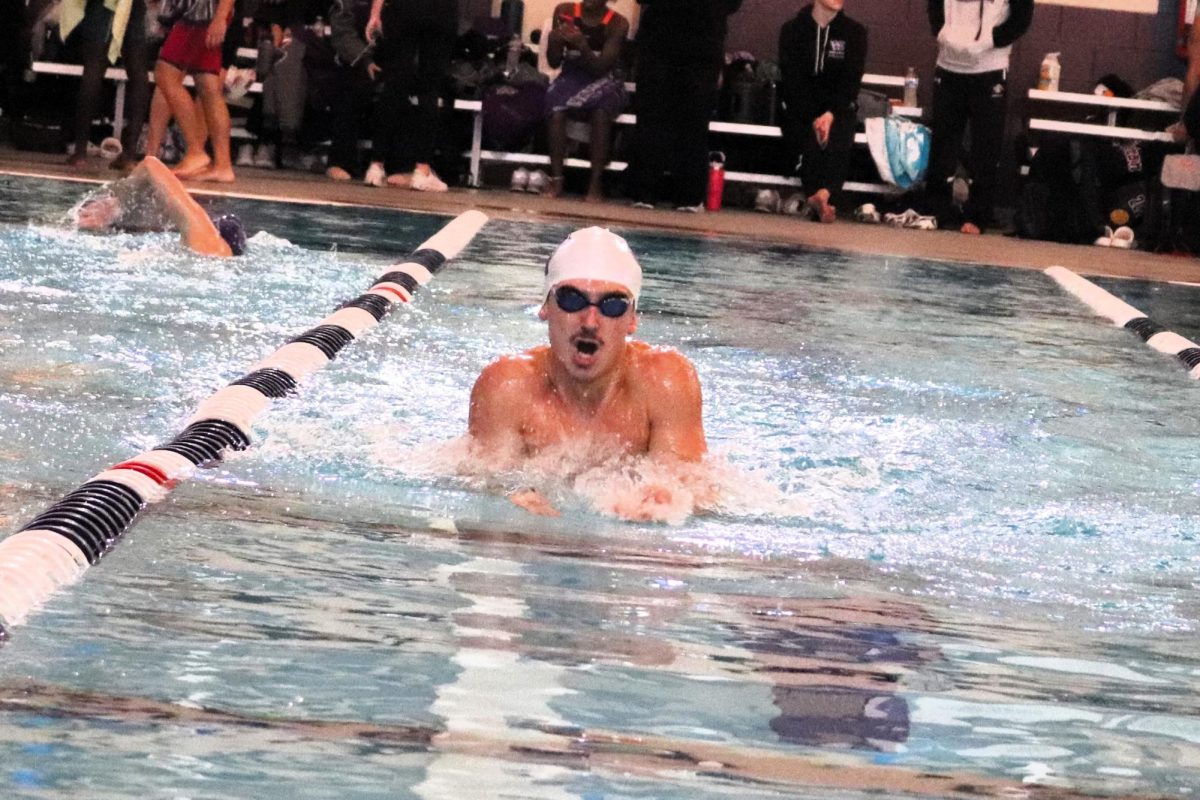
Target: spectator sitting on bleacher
[
  {"x": 585, "y": 40},
  {"x": 822, "y": 55},
  {"x": 102, "y": 31},
  {"x": 415, "y": 51},
  {"x": 358, "y": 79},
  {"x": 194, "y": 46}
]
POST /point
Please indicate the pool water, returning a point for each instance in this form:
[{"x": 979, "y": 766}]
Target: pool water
[{"x": 957, "y": 544}]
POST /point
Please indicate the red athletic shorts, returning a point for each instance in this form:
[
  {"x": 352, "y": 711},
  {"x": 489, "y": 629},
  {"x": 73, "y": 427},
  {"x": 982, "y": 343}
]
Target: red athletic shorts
[{"x": 185, "y": 48}]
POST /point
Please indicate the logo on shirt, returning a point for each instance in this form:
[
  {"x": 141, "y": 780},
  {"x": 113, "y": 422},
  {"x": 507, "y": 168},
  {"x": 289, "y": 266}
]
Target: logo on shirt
[{"x": 837, "y": 49}]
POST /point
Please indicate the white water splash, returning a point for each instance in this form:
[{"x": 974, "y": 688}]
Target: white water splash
[{"x": 635, "y": 488}]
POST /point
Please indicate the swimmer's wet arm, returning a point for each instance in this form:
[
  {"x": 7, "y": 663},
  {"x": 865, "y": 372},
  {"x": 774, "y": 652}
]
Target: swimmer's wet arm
[
  {"x": 196, "y": 229},
  {"x": 676, "y": 404},
  {"x": 498, "y": 401}
]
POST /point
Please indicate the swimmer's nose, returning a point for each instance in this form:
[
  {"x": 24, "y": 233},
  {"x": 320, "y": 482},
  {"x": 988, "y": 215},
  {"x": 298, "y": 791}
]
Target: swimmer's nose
[{"x": 591, "y": 318}]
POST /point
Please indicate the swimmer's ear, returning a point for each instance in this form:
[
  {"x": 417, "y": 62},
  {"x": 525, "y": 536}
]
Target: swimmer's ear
[
  {"x": 544, "y": 311},
  {"x": 633, "y": 321}
]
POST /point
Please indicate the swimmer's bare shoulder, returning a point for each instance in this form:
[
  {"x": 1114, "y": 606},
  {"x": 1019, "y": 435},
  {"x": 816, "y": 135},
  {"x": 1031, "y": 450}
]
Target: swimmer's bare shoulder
[
  {"x": 669, "y": 386},
  {"x": 500, "y": 396}
]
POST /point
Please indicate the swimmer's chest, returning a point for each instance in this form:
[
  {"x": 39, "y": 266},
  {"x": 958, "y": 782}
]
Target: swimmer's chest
[{"x": 621, "y": 425}]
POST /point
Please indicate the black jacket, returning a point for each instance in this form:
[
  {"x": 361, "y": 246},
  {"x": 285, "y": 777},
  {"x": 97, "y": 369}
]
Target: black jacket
[
  {"x": 684, "y": 31},
  {"x": 821, "y": 69}
]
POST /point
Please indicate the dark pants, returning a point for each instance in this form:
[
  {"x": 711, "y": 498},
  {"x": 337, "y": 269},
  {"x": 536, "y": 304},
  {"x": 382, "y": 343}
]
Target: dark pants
[
  {"x": 414, "y": 62},
  {"x": 1191, "y": 118},
  {"x": 958, "y": 100},
  {"x": 354, "y": 102},
  {"x": 823, "y": 167},
  {"x": 674, "y": 105},
  {"x": 93, "y": 36}
]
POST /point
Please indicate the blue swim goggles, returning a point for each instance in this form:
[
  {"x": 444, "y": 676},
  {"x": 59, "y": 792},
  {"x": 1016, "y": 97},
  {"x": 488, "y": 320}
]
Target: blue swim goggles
[{"x": 571, "y": 300}]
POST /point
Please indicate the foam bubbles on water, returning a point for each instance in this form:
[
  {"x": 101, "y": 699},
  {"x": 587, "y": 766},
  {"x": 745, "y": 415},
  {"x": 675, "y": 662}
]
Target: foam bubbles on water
[{"x": 635, "y": 488}]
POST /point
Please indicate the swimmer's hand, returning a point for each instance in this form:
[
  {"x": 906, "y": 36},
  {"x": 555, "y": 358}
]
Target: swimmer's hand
[
  {"x": 649, "y": 504},
  {"x": 534, "y": 502}
]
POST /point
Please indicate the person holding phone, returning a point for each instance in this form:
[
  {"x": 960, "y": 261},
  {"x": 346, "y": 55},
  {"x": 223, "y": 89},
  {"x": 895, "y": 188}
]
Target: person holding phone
[{"x": 586, "y": 42}]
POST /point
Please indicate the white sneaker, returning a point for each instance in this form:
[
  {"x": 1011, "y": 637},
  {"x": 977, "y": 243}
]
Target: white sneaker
[
  {"x": 537, "y": 182},
  {"x": 643, "y": 204},
  {"x": 376, "y": 176},
  {"x": 520, "y": 180},
  {"x": 697, "y": 209},
  {"x": 264, "y": 157},
  {"x": 1122, "y": 238},
  {"x": 245, "y": 157},
  {"x": 767, "y": 201},
  {"x": 792, "y": 205},
  {"x": 427, "y": 182},
  {"x": 1106, "y": 240},
  {"x": 867, "y": 213}
]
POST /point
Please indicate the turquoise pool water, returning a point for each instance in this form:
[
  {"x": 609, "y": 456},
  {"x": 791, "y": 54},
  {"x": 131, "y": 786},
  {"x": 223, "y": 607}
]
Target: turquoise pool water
[{"x": 959, "y": 539}]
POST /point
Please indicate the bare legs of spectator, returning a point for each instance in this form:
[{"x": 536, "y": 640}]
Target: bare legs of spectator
[
  {"x": 556, "y": 131},
  {"x": 216, "y": 115},
  {"x": 170, "y": 83},
  {"x": 600, "y": 143},
  {"x": 160, "y": 118}
]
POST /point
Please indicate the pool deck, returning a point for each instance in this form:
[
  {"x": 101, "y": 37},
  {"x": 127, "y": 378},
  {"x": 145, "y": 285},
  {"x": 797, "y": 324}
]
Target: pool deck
[{"x": 878, "y": 240}]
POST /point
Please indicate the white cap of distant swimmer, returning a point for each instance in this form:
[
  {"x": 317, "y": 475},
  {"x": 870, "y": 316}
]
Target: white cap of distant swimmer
[{"x": 594, "y": 254}]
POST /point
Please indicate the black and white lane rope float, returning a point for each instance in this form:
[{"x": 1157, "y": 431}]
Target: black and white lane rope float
[
  {"x": 54, "y": 548},
  {"x": 1126, "y": 316}
]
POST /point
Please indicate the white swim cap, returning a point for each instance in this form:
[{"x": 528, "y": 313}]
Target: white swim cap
[{"x": 594, "y": 254}]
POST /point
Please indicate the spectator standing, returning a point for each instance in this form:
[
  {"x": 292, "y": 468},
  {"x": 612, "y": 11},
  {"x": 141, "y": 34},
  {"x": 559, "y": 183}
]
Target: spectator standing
[
  {"x": 194, "y": 47},
  {"x": 970, "y": 86},
  {"x": 680, "y": 51},
  {"x": 414, "y": 54},
  {"x": 358, "y": 81},
  {"x": 822, "y": 55},
  {"x": 585, "y": 40},
  {"x": 105, "y": 30}
]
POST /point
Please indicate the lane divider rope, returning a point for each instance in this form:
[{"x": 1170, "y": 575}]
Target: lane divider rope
[
  {"x": 55, "y": 547},
  {"x": 1126, "y": 316}
]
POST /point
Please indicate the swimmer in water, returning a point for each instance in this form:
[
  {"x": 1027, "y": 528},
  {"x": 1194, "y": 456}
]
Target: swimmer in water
[
  {"x": 591, "y": 386},
  {"x": 151, "y": 198}
]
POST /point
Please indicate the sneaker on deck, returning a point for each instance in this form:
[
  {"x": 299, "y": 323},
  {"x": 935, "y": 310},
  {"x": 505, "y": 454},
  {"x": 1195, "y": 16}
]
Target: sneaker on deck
[
  {"x": 696, "y": 209},
  {"x": 766, "y": 201},
  {"x": 520, "y": 180},
  {"x": 376, "y": 175},
  {"x": 537, "y": 182},
  {"x": 245, "y": 157},
  {"x": 264, "y": 157}
]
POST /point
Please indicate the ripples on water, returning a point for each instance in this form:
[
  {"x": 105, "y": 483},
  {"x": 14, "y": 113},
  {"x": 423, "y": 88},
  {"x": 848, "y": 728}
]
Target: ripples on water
[{"x": 957, "y": 531}]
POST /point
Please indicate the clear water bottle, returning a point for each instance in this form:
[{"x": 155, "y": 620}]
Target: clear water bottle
[{"x": 910, "y": 87}]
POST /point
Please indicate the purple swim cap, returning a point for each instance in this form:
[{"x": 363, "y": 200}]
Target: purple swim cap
[{"x": 232, "y": 231}]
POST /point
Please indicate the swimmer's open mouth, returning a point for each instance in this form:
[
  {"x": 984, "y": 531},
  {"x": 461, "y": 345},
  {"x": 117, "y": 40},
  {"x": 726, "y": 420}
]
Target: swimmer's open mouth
[{"x": 587, "y": 347}]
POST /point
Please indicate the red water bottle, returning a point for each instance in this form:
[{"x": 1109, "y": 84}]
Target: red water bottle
[{"x": 716, "y": 180}]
